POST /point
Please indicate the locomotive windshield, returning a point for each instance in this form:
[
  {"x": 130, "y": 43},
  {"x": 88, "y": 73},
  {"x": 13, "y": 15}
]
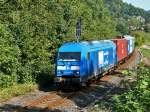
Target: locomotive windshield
[{"x": 69, "y": 55}]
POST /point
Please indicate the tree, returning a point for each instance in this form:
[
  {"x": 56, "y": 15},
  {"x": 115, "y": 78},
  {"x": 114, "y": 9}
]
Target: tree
[
  {"x": 39, "y": 27},
  {"x": 9, "y": 61},
  {"x": 122, "y": 28}
]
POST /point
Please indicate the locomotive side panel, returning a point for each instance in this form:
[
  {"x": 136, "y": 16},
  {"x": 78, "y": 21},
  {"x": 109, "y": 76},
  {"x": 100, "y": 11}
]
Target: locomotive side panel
[{"x": 101, "y": 60}]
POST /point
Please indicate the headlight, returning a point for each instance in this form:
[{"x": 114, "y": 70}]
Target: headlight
[{"x": 77, "y": 72}]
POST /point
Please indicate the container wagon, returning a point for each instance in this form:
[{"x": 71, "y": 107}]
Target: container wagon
[
  {"x": 131, "y": 43},
  {"x": 121, "y": 48}
]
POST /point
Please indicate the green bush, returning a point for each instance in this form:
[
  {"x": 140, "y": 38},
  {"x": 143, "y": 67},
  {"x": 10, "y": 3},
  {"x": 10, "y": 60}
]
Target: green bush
[
  {"x": 9, "y": 55},
  {"x": 25, "y": 75},
  {"x": 138, "y": 98},
  {"x": 46, "y": 76},
  {"x": 139, "y": 37},
  {"x": 6, "y": 81}
]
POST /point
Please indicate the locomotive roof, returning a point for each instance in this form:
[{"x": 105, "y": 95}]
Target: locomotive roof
[{"x": 85, "y": 46}]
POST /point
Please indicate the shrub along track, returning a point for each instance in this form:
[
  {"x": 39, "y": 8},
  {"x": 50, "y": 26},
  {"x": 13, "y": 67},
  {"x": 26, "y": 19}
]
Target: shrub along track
[{"x": 55, "y": 100}]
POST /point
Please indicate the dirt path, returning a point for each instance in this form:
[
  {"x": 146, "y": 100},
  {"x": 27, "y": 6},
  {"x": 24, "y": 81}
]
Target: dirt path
[
  {"x": 146, "y": 61},
  {"x": 146, "y": 46}
]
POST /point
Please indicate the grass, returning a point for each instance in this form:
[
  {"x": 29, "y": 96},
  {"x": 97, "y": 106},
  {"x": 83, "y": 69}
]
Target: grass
[
  {"x": 16, "y": 90},
  {"x": 147, "y": 39},
  {"x": 145, "y": 52}
]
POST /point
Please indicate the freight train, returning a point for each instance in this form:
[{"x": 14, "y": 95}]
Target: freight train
[{"x": 79, "y": 62}]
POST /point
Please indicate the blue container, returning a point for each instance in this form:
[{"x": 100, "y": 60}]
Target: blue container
[
  {"x": 85, "y": 60},
  {"x": 131, "y": 43}
]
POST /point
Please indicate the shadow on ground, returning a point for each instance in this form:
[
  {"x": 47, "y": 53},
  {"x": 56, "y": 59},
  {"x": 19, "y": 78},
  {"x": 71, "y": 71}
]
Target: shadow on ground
[
  {"x": 101, "y": 93},
  {"x": 12, "y": 108}
]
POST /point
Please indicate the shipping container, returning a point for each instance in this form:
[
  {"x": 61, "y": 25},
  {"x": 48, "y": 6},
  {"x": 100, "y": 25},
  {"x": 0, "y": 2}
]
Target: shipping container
[
  {"x": 121, "y": 48},
  {"x": 131, "y": 42}
]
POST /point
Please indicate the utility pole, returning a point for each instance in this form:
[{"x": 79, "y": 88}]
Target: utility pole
[{"x": 78, "y": 29}]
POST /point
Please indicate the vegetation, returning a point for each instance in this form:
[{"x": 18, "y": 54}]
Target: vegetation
[
  {"x": 147, "y": 38},
  {"x": 141, "y": 38},
  {"x": 120, "y": 9},
  {"x": 145, "y": 52},
  {"x": 127, "y": 17},
  {"x": 19, "y": 89},
  {"x": 32, "y": 30},
  {"x": 137, "y": 98}
]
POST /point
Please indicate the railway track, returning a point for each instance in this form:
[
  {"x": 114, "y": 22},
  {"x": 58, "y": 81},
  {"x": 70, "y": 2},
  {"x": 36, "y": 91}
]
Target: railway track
[
  {"x": 57, "y": 99},
  {"x": 51, "y": 101}
]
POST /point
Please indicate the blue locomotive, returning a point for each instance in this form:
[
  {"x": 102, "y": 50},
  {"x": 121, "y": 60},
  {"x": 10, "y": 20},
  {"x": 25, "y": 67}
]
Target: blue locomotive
[{"x": 82, "y": 61}]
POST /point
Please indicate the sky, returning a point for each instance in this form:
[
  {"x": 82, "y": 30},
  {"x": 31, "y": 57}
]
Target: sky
[{"x": 144, "y": 4}]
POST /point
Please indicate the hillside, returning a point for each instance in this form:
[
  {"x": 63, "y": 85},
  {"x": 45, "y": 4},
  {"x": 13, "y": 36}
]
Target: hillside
[
  {"x": 127, "y": 17},
  {"x": 120, "y": 9}
]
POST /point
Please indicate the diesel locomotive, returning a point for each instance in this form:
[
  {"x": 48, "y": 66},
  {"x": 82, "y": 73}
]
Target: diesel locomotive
[{"x": 78, "y": 62}]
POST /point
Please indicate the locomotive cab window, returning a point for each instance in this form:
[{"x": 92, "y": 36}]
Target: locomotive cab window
[{"x": 69, "y": 55}]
